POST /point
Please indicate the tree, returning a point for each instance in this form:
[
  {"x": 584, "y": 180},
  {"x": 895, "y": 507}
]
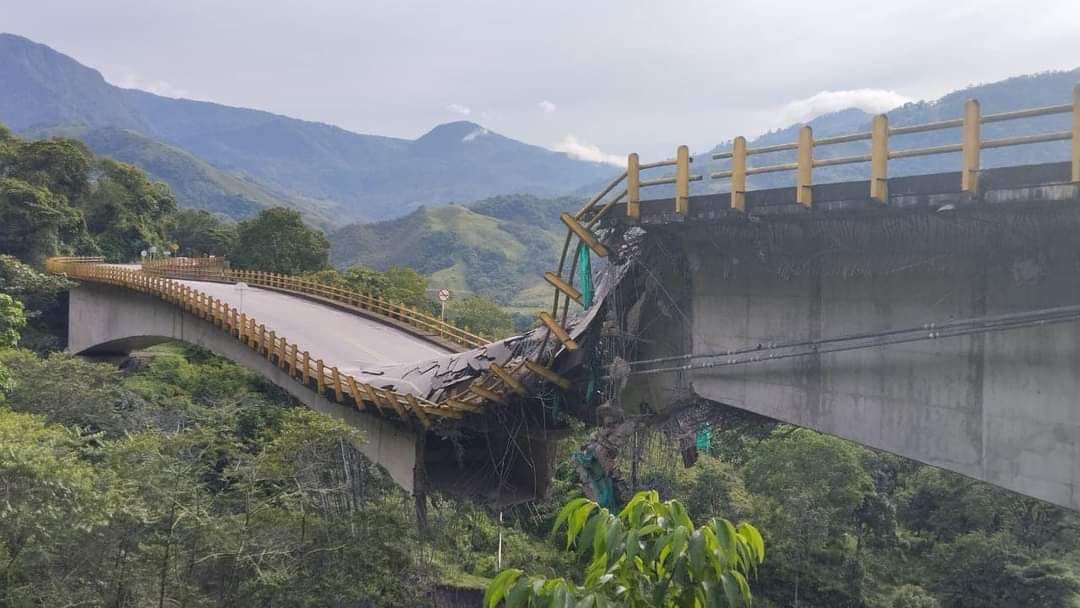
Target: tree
[
  {"x": 127, "y": 211},
  {"x": 12, "y": 320},
  {"x": 650, "y": 555},
  {"x": 406, "y": 286},
  {"x": 913, "y": 596},
  {"x": 481, "y": 316},
  {"x": 992, "y": 571},
  {"x": 33, "y": 221},
  {"x": 198, "y": 232},
  {"x": 43, "y": 299},
  {"x": 278, "y": 241}
]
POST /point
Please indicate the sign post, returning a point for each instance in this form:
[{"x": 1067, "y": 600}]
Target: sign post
[{"x": 444, "y": 295}]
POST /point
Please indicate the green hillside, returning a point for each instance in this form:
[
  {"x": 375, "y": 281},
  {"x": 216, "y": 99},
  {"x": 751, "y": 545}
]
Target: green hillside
[
  {"x": 498, "y": 247},
  {"x": 195, "y": 183}
]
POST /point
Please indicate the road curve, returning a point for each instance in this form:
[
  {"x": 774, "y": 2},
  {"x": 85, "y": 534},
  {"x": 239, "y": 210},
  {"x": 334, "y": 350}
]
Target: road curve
[{"x": 357, "y": 345}]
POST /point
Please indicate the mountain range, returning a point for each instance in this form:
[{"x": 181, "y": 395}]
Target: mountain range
[{"x": 237, "y": 160}]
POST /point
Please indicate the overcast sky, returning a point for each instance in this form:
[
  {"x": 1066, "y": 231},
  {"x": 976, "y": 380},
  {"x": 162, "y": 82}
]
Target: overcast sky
[{"x": 599, "y": 78}]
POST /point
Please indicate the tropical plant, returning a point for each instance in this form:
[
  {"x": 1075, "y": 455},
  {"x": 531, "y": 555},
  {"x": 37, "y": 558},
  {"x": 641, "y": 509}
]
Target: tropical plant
[{"x": 649, "y": 555}]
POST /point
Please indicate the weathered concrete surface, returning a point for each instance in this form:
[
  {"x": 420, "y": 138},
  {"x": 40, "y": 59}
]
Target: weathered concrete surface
[
  {"x": 1001, "y": 407},
  {"x": 106, "y": 319}
]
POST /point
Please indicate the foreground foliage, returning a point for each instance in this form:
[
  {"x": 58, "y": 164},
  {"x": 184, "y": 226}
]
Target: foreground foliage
[{"x": 649, "y": 555}]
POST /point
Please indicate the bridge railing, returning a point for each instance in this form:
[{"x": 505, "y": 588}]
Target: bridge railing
[
  {"x": 183, "y": 264},
  {"x": 970, "y": 146},
  {"x": 216, "y": 269},
  {"x": 299, "y": 364}
]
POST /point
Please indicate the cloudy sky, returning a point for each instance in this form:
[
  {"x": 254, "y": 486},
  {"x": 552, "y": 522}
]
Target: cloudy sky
[{"x": 598, "y": 78}]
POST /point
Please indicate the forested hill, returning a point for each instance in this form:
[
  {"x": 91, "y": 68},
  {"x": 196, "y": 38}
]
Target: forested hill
[
  {"x": 360, "y": 176},
  {"x": 498, "y": 247}
]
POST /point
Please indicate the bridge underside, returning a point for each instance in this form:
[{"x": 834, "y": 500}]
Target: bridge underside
[
  {"x": 107, "y": 320},
  {"x": 1001, "y": 407}
]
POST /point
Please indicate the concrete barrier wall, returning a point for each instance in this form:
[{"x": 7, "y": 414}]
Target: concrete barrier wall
[{"x": 104, "y": 319}]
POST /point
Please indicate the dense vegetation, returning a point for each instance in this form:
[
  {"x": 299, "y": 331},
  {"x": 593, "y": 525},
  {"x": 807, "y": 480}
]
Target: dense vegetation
[
  {"x": 498, "y": 248},
  {"x": 56, "y": 197}
]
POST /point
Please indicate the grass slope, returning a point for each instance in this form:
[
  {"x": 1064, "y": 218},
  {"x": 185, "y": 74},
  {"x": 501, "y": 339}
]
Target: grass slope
[{"x": 498, "y": 247}]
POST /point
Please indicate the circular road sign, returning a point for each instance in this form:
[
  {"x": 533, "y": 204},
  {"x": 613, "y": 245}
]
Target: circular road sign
[{"x": 444, "y": 294}]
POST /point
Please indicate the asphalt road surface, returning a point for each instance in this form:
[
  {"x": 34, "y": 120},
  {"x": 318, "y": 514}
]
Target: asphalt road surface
[{"x": 354, "y": 344}]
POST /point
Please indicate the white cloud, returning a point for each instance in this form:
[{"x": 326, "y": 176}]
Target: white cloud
[
  {"x": 457, "y": 108},
  {"x": 873, "y": 101},
  {"x": 131, "y": 80},
  {"x": 575, "y": 148},
  {"x": 474, "y": 135},
  {"x": 547, "y": 107}
]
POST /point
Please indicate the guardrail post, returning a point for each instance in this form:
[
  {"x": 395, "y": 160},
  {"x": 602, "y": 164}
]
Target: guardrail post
[
  {"x": 319, "y": 375},
  {"x": 738, "y": 174},
  {"x": 337, "y": 384},
  {"x": 633, "y": 187},
  {"x": 271, "y": 346},
  {"x": 969, "y": 175},
  {"x": 879, "y": 159},
  {"x": 682, "y": 180},
  {"x": 307, "y": 368},
  {"x": 804, "y": 194},
  {"x": 1076, "y": 134}
]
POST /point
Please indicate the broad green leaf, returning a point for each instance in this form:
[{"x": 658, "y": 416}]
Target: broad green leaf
[
  {"x": 518, "y": 596},
  {"x": 599, "y": 539},
  {"x": 744, "y": 587},
  {"x": 633, "y": 545},
  {"x": 697, "y": 554},
  {"x": 753, "y": 538},
  {"x": 565, "y": 512},
  {"x": 731, "y": 590},
  {"x": 577, "y": 521},
  {"x": 497, "y": 589},
  {"x": 585, "y": 539},
  {"x": 727, "y": 539},
  {"x": 597, "y": 567}
]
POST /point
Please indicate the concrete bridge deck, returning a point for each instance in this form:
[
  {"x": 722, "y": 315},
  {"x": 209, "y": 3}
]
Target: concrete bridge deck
[{"x": 355, "y": 344}]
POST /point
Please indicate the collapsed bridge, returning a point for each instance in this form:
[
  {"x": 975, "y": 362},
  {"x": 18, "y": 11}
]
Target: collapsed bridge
[{"x": 933, "y": 316}]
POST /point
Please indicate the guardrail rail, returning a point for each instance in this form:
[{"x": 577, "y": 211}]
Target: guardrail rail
[{"x": 300, "y": 364}]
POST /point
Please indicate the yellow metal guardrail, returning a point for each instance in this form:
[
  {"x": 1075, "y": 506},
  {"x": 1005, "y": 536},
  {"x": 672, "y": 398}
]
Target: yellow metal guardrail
[
  {"x": 300, "y": 365},
  {"x": 970, "y": 146},
  {"x": 216, "y": 269}
]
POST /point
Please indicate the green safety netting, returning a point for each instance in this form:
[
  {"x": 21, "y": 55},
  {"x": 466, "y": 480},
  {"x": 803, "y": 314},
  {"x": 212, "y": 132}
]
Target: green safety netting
[
  {"x": 584, "y": 278},
  {"x": 703, "y": 440},
  {"x": 603, "y": 488}
]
